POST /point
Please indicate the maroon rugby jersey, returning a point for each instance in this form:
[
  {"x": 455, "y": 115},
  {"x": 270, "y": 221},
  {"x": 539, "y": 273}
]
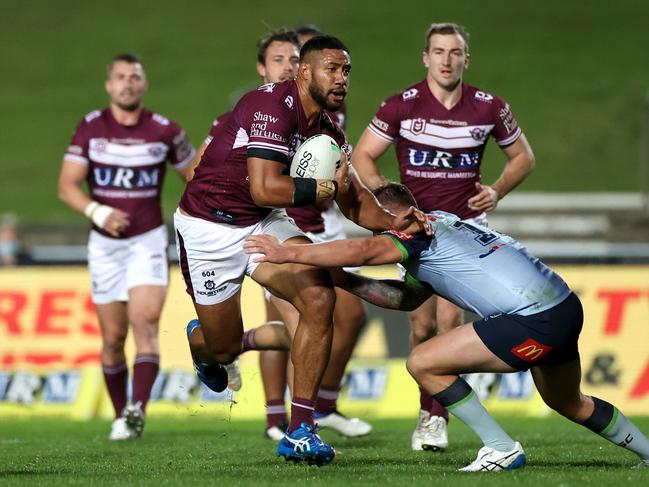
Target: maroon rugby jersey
[
  {"x": 268, "y": 123},
  {"x": 126, "y": 163},
  {"x": 440, "y": 150}
]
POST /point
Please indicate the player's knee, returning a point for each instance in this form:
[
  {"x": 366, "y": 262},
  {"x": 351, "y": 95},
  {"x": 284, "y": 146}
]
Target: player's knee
[
  {"x": 145, "y": 319},
  {"x": 568, "y": 407},
  {"x": 318, "y": 304},
  {"x": 357, "y": 317},
  {"x": 421, "y": 330},
  {"x": 224, "y": 353},
  {"x": 416, "y": 365},
  {"x": 352, "y": 319},
  {"x": 113, "y": 343},
  {"x": 447, "y": 321}
]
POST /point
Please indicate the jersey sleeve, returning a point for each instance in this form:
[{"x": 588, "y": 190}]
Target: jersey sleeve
[
  {"x": 270, "y": 123},
  {"x": 506, "y": 130},
  {"x": 181, "y": 151},
  {"x": 410, "y": 246},
  {"x": 77, "y": 150},
  {"x": 220, "y": 120},
  {"x": 386, "y": 122}
]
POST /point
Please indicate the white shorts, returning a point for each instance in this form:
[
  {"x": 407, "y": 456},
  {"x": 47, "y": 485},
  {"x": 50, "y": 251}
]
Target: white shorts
[
  {"x": 333, "y": 231},
  {"x": 117, "y": 265},
  {"x": 211, "y": 254}
]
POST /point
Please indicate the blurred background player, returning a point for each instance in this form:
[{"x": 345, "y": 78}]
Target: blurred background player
[
  {"x": 440, "y": 127},
  {"x": 121, "y": 153},
  {"x": 277, "y": 61}
]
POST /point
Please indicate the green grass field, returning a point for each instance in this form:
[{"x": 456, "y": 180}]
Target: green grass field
[
  {"x": 572, "y": 71},
  {"x": 201, "y": 451}
]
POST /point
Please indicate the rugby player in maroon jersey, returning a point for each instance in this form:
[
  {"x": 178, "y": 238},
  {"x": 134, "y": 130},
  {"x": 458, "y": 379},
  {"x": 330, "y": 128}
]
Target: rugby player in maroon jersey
[
  {"x": 121, "y": 153},
  {"x": 238, "y": 189},
  {"x": 320, "y": 222},
  {"x": 440, "y": 127},
  {"x": 277, "y": 61}
]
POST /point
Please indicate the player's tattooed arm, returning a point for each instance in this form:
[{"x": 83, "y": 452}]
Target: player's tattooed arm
[
  {"x": 326, "y": 189},
  {"x": 386, "y": 293}
]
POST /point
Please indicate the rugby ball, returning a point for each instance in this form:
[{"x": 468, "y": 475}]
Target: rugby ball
[{"x": 318, "y": 157}]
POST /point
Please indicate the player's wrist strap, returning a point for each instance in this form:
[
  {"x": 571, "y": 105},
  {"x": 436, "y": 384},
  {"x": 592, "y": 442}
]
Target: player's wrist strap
[
  {"x": 97, "y": 213},
  {"x": 305, "y": 191}
]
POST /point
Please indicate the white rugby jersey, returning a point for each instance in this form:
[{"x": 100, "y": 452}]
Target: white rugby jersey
[{"x": 479, "y": 269}]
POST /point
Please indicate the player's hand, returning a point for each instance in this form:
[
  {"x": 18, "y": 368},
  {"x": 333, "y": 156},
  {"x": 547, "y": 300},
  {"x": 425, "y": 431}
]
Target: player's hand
[
  {"x": 116, "y": 222},
  {"x": 271, "y": 249},
  {"x": 485, "y": 200},
  {"x": 412, "y": 221},
  {"x": 343, "y": 175}
]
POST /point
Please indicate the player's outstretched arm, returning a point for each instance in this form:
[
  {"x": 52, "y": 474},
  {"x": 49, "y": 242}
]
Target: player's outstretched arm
[
  {"x": 339, "y": 253},
  {"x": 386, "y": 293},
  {"x": 358, "y": 204}
]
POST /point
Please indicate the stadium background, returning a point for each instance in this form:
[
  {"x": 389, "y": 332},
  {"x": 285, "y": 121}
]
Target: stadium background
[{"x": 573, "y": 73}]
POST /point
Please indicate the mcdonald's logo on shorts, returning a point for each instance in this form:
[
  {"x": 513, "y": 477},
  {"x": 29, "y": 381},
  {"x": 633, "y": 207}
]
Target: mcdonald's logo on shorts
[{"x": 531, "y": 350}]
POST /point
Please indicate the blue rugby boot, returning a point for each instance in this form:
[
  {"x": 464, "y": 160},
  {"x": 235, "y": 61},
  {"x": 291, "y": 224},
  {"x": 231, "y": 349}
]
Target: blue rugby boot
[
  {"x": 214, "y": 376},
  {"x": 304, "y": 443}
]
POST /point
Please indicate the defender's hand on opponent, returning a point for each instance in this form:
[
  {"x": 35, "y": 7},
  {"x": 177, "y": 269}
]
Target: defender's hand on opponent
[
  {"x": 270, "y": 247},
  {"x": 411, "y": 221}
]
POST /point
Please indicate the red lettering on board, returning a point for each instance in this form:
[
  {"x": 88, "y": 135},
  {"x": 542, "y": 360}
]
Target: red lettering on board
[
  {"x": 53, "y": 305},
  {"x": 617, "y": 301},
  {"x": 11, "y": 305}
]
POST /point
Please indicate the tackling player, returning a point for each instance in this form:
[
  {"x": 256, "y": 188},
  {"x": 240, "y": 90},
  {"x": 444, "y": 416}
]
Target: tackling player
[
  {"x": 237, "y": 190},
  {"x": 440, "y": 127},
  {"x": 121, "y": 153},
  {"x": 530, "y": 320}
]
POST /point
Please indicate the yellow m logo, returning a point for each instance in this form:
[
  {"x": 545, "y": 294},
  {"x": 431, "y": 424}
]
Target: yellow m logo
[{"x": 531, "y": 351}]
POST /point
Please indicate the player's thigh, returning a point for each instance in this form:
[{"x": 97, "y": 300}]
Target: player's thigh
[
  {"x": 222, "y": 324},
  {"x": 148, "y": 263},
  {"x": 144, "y": 309},
  {"x": 113, "y": 321},
  {"x": 145, "y": 303},
  {"x": 422, "y": 321},
  {"x": 212, "y": 259},
  {"x": 287, "y": 313},
  {"x": 108, "y": 265},
  {"x": 448, "y": 315},
  {"x": 458, "y": 351},
  {"x": 271, "y": 310},
  {"x": 349, "y": 312},
  {"x": 558, "y": 384},
  {"x": 305, "y": 287}
]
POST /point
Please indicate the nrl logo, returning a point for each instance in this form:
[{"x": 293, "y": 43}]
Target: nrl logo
[
  {"x": 478, "y": 134},
  {"x": 418, "y": 126}
]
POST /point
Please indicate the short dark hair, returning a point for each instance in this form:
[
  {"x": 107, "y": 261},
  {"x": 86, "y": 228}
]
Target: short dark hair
[
  {"x": 447, "y": 28},
  {"x": 320, "y": 43},
  {"x": 126, "y": 57},
  {"x": 394, "y": 193},
  {"x": 279, "y": 35},
  {"x": 307, "y": 29}
]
